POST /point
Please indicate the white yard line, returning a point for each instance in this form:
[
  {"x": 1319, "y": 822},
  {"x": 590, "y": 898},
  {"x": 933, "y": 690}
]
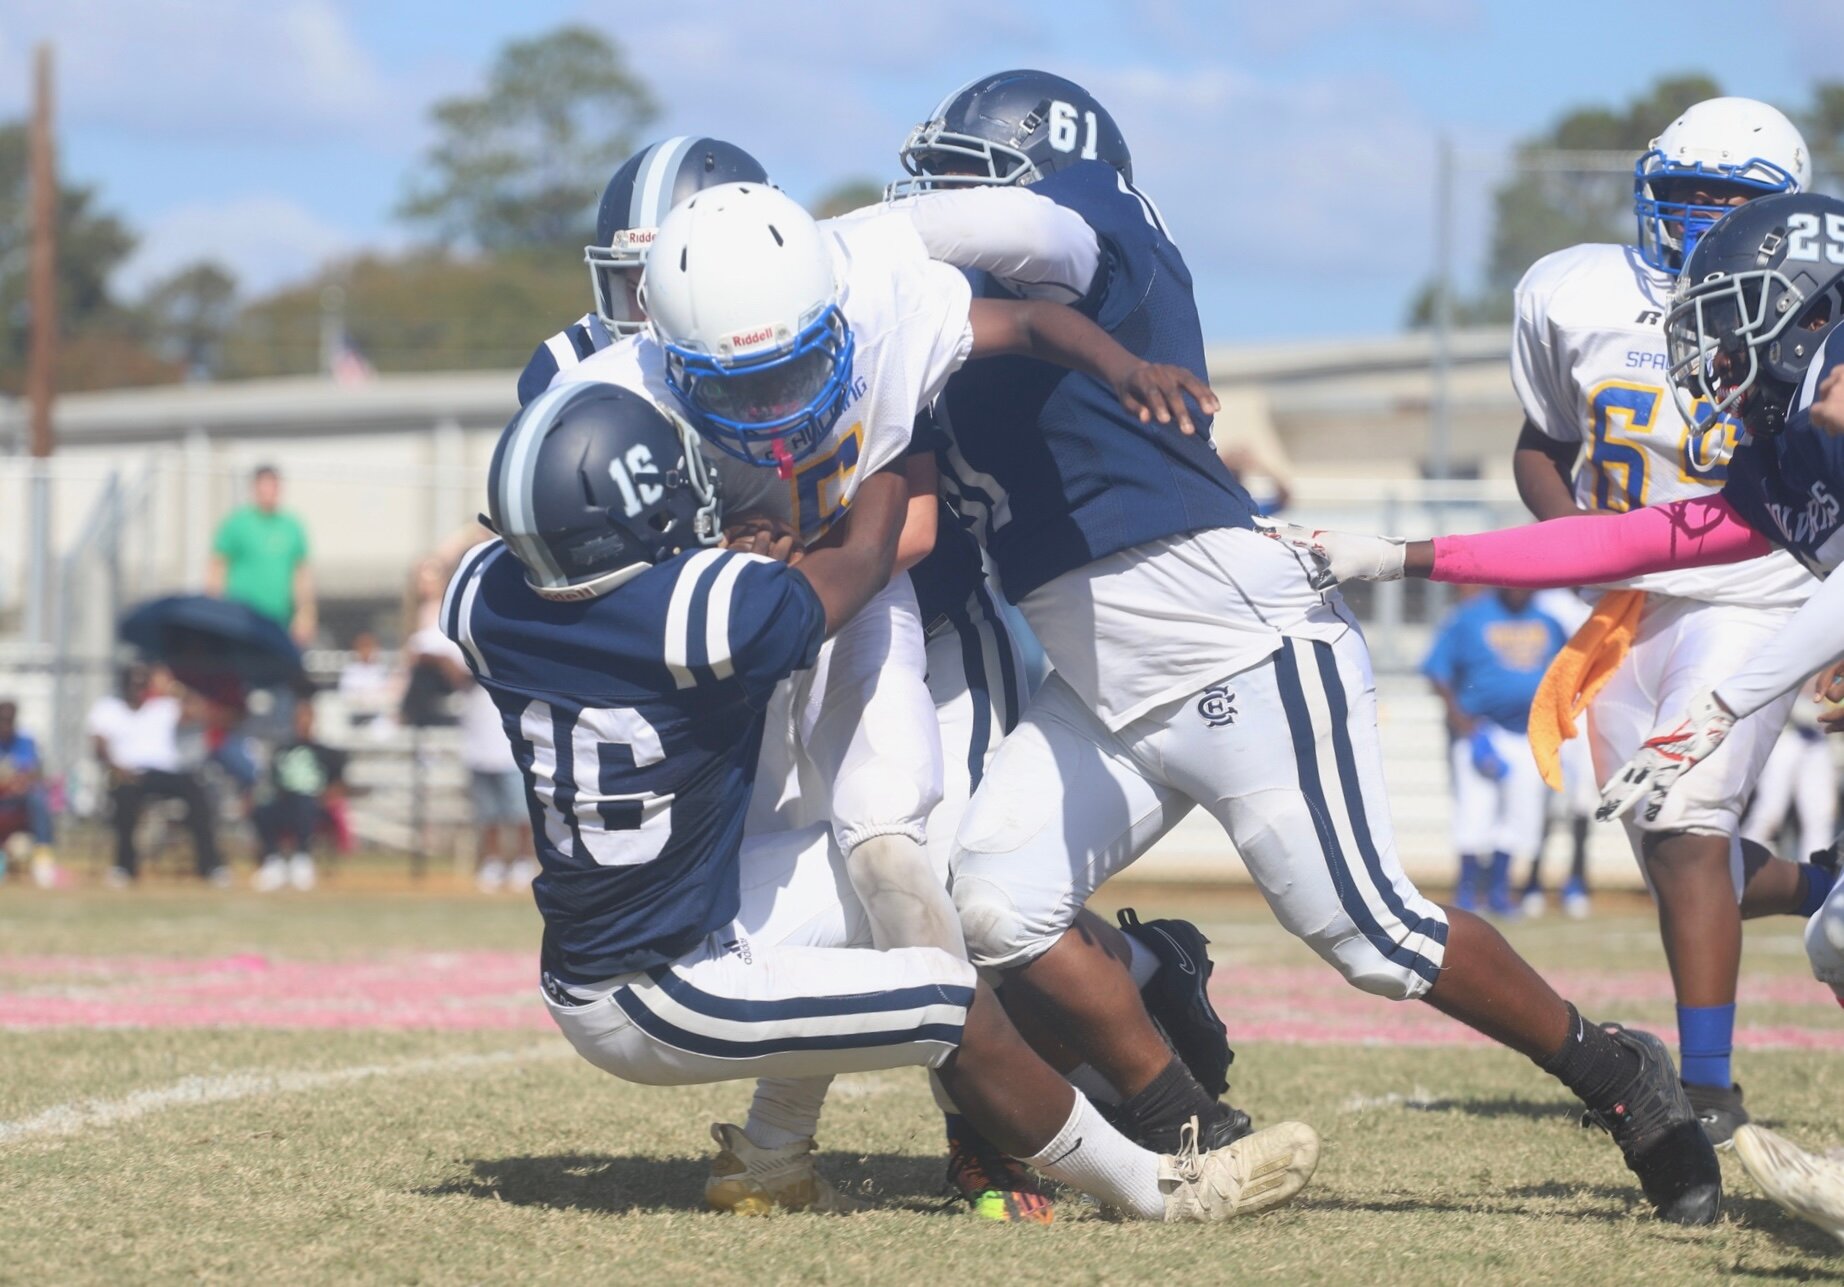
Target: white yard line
[{"x": 96, "y": 1114}]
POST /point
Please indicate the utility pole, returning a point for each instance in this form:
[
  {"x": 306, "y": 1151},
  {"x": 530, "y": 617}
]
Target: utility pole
[
  {"x": 1440, "y": 423},
  {"x": 41, "y": 359}
]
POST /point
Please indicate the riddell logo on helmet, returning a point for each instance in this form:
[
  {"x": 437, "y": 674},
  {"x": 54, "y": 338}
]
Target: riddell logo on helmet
[
  {"x": 753, "y": 338},
  {"x": 634, "y": 238}
]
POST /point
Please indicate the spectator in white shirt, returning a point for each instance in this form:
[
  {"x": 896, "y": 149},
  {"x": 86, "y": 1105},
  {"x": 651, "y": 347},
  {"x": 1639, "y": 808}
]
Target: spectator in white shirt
[{"x": 136, "y": 736}]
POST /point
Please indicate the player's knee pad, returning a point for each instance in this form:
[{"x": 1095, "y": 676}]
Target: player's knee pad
[
  {"x": 1825, "y": 939},
  {"x": 999, "y": 935},
  {"x": 1365, "y": 966}
]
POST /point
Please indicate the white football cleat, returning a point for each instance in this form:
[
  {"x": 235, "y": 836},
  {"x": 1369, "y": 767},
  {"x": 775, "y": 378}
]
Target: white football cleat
[
  {"x": 301, "y": 873},
  {"x": 748, "y": 1180},
  {"x": 1807, "y": 1186},
  {"x": 271, "y": 876},
  {"x": 1257, "y": 1172}
]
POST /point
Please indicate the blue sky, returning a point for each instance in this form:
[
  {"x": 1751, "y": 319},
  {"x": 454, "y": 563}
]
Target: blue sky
[{"x": 1290, "y": 145}]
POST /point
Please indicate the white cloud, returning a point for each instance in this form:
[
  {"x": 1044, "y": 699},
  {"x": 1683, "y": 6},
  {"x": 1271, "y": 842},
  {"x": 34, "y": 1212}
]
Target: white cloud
[
  {"x": 211, "y": 70},
  {"x": 1331, "y": 177},
  {"x": 807, "y": 83},
  {"x": 265, "y": 241}
]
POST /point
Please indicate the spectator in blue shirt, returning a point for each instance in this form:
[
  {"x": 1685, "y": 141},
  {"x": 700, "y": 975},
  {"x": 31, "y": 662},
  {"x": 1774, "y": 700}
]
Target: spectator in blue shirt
[
  {"x": 22, "y": 784},
  {"x": 1487, "y": 660}
]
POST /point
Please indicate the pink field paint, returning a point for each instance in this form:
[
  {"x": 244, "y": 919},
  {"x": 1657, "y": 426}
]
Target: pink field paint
[{"x": 478, "y": 991}]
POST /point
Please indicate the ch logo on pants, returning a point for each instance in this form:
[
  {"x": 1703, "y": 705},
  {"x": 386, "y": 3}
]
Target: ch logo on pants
[{"x": 1217, "y": 706}]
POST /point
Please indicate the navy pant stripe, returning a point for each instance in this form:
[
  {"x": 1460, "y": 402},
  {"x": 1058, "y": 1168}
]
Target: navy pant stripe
[
  {"x": 973, "y": 666},
  {"x": 740, "y": 1010},
  {"x": 1008, "y": 671},
  {"x": 1346, "y": 756},
  {"x": 1300, "y": 728},
  {"x": 698, "y": 1043}
]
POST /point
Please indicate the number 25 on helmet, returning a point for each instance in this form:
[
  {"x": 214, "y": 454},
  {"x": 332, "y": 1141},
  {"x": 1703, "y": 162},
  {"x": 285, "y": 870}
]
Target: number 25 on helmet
[{"x": 742, "y": 293}]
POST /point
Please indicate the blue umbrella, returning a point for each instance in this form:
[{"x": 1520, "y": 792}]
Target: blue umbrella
[{"x": 207, "y": 641}]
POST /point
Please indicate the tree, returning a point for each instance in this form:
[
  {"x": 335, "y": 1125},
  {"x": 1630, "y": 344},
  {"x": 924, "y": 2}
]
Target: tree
[
  {"x": 432, "y": 311},
  {"x": 846, "y": 196},
  {"x": 91, "y": 244},
  {"x": 522, "y": 163},
  {"x": 188, "y": 314}
]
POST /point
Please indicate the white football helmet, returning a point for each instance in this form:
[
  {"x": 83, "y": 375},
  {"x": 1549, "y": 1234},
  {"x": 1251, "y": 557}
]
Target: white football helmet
[
  {"x": 742, "y": 292},
  {"x": 1737, "y": 142}
]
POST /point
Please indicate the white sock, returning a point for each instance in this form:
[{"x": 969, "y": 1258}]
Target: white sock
[
  {"x": 1091, "y": 1083},
  {"x": 1090, "y": 1155},
  {"x": 785, "y": 1110},
  {"x": 1142, "y": 963}
]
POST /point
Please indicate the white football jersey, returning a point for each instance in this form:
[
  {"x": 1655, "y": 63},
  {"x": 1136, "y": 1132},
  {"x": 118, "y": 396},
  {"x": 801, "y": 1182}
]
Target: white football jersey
[
  {"x": 910, "y": 331},
  {"x": 1588, "y": 362}
]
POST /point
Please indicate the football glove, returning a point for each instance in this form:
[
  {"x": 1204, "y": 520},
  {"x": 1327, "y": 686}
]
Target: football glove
[
  {"x": 1486, "y": 760},
  {"x": 1665, "y": 757},
  {"x": 1332, "y": 557}
]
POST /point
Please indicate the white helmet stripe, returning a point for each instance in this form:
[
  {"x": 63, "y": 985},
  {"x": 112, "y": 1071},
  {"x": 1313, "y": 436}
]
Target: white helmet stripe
[
  {"x": 655, "y": 180},
  {"x": 941, "y": 108},
  {"x": 518, "y": 473}
]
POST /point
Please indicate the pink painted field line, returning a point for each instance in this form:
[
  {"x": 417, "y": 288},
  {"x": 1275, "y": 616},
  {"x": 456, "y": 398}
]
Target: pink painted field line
[{"x": 466, "y": 991}]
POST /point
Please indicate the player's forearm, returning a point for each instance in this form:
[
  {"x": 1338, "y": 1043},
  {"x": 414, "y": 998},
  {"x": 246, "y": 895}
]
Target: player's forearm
[
  {"x": 921, "y": 517},
  {"x": 1590, "y": 549},
  {"x": 1812, "y": 639},
  {"x": 858, "y": 557},
  {"x": 1051, "y": 333}
]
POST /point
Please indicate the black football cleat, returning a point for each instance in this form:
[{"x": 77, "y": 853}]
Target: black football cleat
[
  {"x": 1660, "y": 1137},
  {"x": 1221, "y": 1127},
  {"x": 1719, "y": 1110},
  {"x": 1178, "y": 998}
]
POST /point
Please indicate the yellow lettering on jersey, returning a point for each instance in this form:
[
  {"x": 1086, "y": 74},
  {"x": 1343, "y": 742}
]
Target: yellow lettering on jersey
[
  {"x": 1617, "y": 411},
  {"x": 819, "y": 490},
  {"x": 1519, "y": 645}
]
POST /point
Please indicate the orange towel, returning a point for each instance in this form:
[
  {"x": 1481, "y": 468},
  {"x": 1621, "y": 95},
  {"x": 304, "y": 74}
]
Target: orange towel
[{"x": 1585, "y": 663}]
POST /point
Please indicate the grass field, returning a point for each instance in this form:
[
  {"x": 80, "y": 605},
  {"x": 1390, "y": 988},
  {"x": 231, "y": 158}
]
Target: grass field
[{"x": 362, "y": 1087}]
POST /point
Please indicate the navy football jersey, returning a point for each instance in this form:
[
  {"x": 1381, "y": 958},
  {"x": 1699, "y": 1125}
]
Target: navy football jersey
[
  {"x": 635, "y": 718},
  {"x": 1053, "y": 472},
  {"x": 1789, "y": 486},
  {"x": 948, "y": 576},
  {"x": 581, "y": 338}
]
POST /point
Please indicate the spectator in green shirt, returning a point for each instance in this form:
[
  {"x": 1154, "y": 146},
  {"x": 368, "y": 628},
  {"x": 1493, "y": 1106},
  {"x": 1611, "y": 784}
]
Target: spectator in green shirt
[{"x": 259, "y": 558}]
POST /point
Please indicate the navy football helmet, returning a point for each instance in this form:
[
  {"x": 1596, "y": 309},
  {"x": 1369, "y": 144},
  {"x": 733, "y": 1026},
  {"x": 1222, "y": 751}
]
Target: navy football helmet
[
  {"x": 1010, "y": 127},
  {"x": 592, "y": 484},
  {"x": 634, "y": 204},
  {"x": 1754, "y": 303}
]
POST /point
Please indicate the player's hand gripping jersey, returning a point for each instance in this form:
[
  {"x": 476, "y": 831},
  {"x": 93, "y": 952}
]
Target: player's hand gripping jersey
[
  {"x": 908, "y": 318},
  {"x": 635, "y": 718},
  {"x": 1589, "y": 365}
]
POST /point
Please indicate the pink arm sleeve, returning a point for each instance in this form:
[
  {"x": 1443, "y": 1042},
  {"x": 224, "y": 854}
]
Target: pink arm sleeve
[{"x": 1590, "y": 549}]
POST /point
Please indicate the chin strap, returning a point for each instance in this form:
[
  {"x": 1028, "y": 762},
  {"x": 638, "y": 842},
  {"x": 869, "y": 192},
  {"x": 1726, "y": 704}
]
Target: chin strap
[{"x": 784, "y": 460}]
